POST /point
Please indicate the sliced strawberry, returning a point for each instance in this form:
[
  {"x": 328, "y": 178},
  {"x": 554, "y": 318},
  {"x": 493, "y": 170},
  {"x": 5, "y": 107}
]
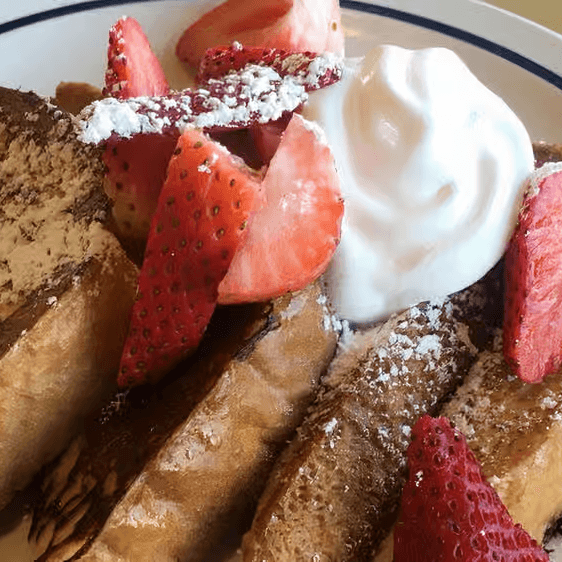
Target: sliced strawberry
[
  {"x": 133, "y": 69},
  {"x": 198, "y": 226},
  {"x": 136, "y": 170},
  {"x": 256, "y": 94},
  {"x": 319, "y": 71},
  {"x": 449, "y": 510},
  {"x": 293, "y": 25},
  {"x": 532, "y": 332},
  {"x": 293, "y": 237},
  {"x": 136, "y": 167}
]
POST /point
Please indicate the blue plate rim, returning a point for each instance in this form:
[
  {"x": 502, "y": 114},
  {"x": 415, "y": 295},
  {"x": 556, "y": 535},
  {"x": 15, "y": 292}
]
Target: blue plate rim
[{"x": 355, "y": 5}]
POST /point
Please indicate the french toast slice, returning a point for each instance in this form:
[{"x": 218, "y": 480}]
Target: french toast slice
[
  {"x": 168, "y": 481},
  {"x": 335, "y": 490},
  {"x": 66, "y": 286},
  {"x": 515, "y": 431}
]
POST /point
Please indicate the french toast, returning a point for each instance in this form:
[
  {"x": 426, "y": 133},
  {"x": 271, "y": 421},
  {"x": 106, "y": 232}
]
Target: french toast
[
  {"x": 66, "y": 286},
  {"x": 514, "y": 430},
  {"x": 75, "y": 96},
  {"x": 334, "y": 492},
  {"x": 65, "y": 527},
  {"x": 318, "y": 509},
  {"x": 211, "y": 438}
]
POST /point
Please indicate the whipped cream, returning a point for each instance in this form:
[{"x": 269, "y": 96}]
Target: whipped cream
[{"x": 433, "y": 167}]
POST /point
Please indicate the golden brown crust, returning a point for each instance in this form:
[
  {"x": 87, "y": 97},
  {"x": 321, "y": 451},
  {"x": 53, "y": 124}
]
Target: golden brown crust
[
  {"x": 62, "y": 367},
  {"x": 547, "y": 152},
  {"x": 66, "y": 286},
  {"x": 208, "y": 473},
  {"x": 75, "y": 96},
  {"x": 333, "y": 494}
]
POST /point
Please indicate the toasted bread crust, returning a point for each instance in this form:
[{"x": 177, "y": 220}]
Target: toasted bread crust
[
  {"x": 66, "y": 286},
  {"x": 52, "y": 204},
  {"x": 61, "y": 368},
  {"x": 208, "y": 473}
]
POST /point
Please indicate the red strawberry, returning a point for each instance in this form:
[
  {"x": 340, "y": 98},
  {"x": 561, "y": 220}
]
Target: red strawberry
[
  {"x": 320, "y": 71},
  {"x": 532, "y": 332},
  {"x": 241, "y": 99},
  {"x": 267, "y": 137},
  {"x": 133, "y": 69},
  {"x": 198, "y": 226},
  {"x": 293, "y": 237},
  {"x": 136, "y": 170},
  {"x": 136, "y": 167},
  {"x": 294, "y": 25},
  {"x": 449, "y": 510}
]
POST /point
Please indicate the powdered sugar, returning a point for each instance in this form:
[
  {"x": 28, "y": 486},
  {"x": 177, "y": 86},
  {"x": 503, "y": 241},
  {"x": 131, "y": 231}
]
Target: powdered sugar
[{"x": 255, "y": 94}]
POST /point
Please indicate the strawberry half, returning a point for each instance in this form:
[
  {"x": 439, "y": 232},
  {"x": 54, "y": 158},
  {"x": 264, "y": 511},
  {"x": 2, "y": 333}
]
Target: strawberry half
[
  {"x": 200, "y": 222},
  {"x": 319, "y": 71},
  {"x": 532, "y": 332},
  {"x": 133, "y": 69},
  {"x": 449, "y": 510},
  {"x": 294, "y": 25},
  {"x": 292, "y": 238}
]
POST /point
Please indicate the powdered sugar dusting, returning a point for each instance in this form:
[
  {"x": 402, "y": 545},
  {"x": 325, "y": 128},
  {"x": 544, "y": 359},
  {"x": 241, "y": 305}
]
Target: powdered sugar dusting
[
  {"x": 405, "y": 367},
  {"x": 349, "y": 455},
  {"x": 255, "y": 94}
]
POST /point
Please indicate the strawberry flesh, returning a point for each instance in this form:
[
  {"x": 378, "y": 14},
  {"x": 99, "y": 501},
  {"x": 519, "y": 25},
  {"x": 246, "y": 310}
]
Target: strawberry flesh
[
  {"x": 532, "y": 332},
  {"x": 135, "y": 171},
  {"x": 199, "y": 223},
  {"x": 292, "y": 238},
  {"x": 136, "y": 167},
  {"x": 449, "y": 510},
  {"x": 267, "y": 137},
  {"x": 133, "y": 69},
  {"x": 294, "y": 25}
]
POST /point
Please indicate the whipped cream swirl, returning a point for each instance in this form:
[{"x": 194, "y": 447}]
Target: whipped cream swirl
[{"x": 433, "y": 166}]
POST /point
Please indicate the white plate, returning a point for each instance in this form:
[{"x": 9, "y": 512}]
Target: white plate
[{"x": 44, "y": 42}]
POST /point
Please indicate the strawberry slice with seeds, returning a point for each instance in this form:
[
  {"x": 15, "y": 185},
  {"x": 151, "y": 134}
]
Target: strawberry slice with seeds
[
  {"x": 133, "y": 69},
  {"x": 294, "y": 25},
  {"x": 449, "y": 510},
  {"x": 136, "y": 167},
  {"x": 292, "y": 238},
  {"x": 532, "y": 330},
  {"x": 135, "y": 171},
  {"x": 312, "y": 70},
  {"x": 198, "y": 226}
]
